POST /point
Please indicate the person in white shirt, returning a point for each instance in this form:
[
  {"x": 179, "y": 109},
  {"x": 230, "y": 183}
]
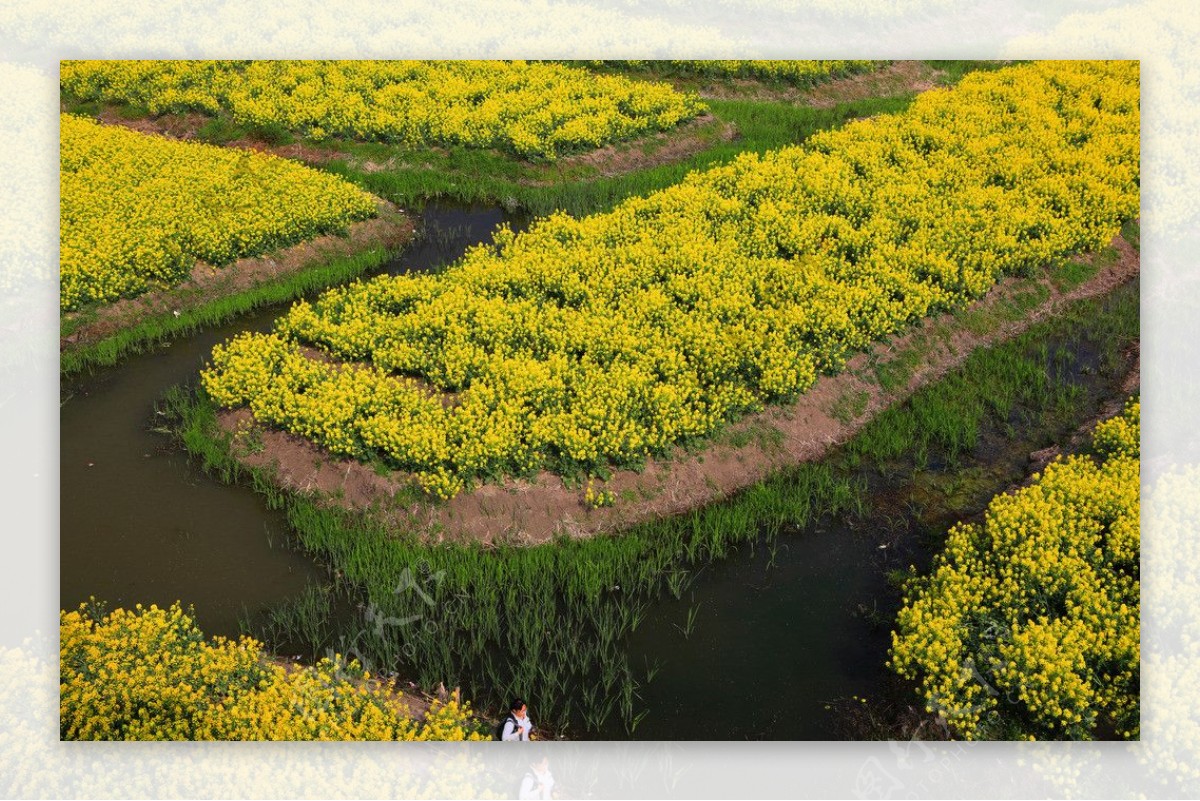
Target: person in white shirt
[
  {"x": 537, "y": 782},
  {"x": 517, "y": 726}
]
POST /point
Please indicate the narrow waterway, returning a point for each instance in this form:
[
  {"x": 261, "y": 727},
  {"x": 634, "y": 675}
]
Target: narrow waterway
[{"x": 140, "y": 524}]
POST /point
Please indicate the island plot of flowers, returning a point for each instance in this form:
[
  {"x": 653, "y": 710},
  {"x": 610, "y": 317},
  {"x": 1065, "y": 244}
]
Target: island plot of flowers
[
  {"x": 137, "y": 211},
  {"x": 1027, "y": 625},
  {"x": 586, "y": 343},
  {"x": 532, "y": 109}
]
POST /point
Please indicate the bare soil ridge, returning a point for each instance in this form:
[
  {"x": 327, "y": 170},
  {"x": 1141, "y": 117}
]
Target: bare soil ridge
[
  {"x": 186, "y": 127},
  {"x": 652, "y": 150},
  {"x": 619, "y": 158},
  {"x": 526, "y": 512}
]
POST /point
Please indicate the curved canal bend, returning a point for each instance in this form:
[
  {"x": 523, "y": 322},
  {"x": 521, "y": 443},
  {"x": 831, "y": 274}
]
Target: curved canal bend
[{"x": 140, "y": 524}]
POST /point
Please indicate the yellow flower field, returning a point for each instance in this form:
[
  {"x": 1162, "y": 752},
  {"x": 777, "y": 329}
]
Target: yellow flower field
[
  {"x": 137, "y": 211},
  {"x": 150, "y": 674},
  {"x": 536, "y": 110},
  {"x": 799, "y": 72},
  {"x": 1028, "y": 625},
  {"x": 587, "y": 342}
]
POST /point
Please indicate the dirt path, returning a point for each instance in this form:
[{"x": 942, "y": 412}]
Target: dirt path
[
  {"x": 390, "y": 229},
  {"x": 619, "y": 158},
  {"x": 533, "y": 511}
]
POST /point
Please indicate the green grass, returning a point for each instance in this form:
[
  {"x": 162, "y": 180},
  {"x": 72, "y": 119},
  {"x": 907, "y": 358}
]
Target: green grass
[
  {"x": 480, "y": 176},
  {"x": 984, "y": 320},
  {"x": 955, "y": 71},
  {"x": 1070, "y": 274},
  {"x": 1132, "y": 232},
  {"x": 897, "y": 370},
  {"x": 896, "y": 373},
  {"x": 766, "y": 436},
  {"x": 83, "y": 108},
  {"x": 305, "y": 621},
  {"x": 221, "y": 130},
  {"x": 159, "y": 329},
  {"x": 93, "y": 108},
  {"x": 949, "y": 415},
  {"x": 850, "y": 406},
  {"x": 68, "y": 325}
]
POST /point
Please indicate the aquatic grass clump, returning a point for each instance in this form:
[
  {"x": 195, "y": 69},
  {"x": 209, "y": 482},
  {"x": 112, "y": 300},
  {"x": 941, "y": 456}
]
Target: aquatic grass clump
[{"x": 500, "y": 621}]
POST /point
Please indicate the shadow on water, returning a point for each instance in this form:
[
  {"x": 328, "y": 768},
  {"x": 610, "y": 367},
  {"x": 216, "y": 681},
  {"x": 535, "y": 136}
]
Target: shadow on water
[{"x": 140, "y": 524}]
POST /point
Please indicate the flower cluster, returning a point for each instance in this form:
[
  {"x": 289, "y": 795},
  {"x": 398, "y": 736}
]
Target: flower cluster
[
  {"x": 138, "y": 211},
  {"x": 1028, "y": 625},
  {"x": 150, "y": 674},
  {"x": 800, "y": 73},
  {"x": 536, "y": 110},
  {"x": 1120, "y": 435},
  {"x": 603, "y": 340},
  {"x": 598, "y": 498}
]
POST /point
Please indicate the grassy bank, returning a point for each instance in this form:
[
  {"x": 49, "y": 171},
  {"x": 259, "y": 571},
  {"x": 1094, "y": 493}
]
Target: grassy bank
[
  {"x": 478, "y": 618},
  {"x": 158, "y": 329},
  {"x": 998, "y": 386}
]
